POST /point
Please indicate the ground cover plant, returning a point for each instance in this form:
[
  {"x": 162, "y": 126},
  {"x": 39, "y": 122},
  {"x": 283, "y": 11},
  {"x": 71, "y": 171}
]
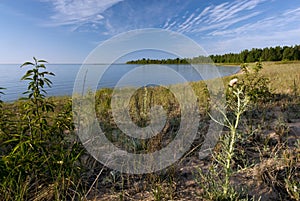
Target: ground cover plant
[{"x": 257, "y": 156}]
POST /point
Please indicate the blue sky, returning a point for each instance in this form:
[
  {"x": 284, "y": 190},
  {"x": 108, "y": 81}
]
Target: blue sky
[{"x": 66, "y": 31}]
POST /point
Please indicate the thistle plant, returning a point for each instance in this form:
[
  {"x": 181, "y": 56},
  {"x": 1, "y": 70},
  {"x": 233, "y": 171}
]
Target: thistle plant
[
  {"x": 229, "y": 141},
  {"x": 220, "y": 180}
]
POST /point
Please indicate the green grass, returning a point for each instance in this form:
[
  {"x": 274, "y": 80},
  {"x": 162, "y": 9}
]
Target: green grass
[{"x": 80, "y": 173}]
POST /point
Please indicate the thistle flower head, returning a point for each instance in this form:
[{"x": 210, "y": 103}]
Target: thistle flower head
[{"x": 233, "y": 82}]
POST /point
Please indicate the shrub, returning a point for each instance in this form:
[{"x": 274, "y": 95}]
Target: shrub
[
  {"x": 41, "y": 163},
  {"x": 253, "y": 84}
]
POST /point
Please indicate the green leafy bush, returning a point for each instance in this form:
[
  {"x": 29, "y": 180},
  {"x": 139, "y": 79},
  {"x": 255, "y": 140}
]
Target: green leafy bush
[
  {"x": 253, "y": 84},
  {"x": 41, "y": 162}
]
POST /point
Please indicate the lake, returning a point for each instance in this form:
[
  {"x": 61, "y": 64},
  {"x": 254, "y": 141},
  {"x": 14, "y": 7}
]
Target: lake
[{"x": 65, "y": 75}]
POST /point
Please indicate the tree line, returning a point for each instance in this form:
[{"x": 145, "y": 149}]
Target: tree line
[
  {"x": 159, "y": 61},
  {"x": 285, "y": 53},
  {"x": 278, "y": 53}
]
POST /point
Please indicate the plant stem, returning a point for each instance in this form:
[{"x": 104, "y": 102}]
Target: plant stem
[{"x": 233, "y": 133}]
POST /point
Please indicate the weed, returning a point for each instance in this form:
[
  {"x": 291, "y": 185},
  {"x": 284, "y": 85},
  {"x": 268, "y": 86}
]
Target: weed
[
  {"x": 41, "y": 163},
  {"x": 218, "y": 176},
  {"x": 253, "y": 84}
]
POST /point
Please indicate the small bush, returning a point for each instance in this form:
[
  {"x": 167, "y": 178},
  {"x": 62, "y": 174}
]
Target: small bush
[
  {"x": 253, "y": 84},
  {"x": 40, "y": 162}
]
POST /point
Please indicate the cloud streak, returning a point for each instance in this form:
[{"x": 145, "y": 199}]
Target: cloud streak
[
  {"x": 272, "y": 24},
  {"x": 248, "y": 41},
  {"x": 224, "y": 25},
  {"x": 78, "y": 12},
  {"x": 219, "y": 16}
]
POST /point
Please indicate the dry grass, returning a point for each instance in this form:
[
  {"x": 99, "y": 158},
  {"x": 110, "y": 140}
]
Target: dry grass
[
  {"x": 284, "y": 77},
  {"x": 265, "y": 160}
]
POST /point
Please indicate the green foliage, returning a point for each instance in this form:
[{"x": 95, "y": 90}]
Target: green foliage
[
  {"x": 211, "y": 181},
  {"x": 1, "y": 88},
  {"x": 37, "y": 79},
  {"x": 35, "y": 91},
  {"x": 292, "y": 179},
  {"x": 40, "y": 161},
  {"x": 256, "y": 54},
  {"x": 216, "y": 181},
  {"x": 253, "y": 84},
  {"x": 40, "y": 158},
  {"x": 157, "y": 61},
  {"x": 258, "y": 66},
  {"x": 1, "y": 123}
]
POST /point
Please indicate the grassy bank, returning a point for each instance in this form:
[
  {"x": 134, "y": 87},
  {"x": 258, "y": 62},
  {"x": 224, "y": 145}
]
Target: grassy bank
[{"x": 259, "y": 159}]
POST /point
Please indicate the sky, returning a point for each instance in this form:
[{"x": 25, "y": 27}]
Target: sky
[{"x": 66, "y": 31}]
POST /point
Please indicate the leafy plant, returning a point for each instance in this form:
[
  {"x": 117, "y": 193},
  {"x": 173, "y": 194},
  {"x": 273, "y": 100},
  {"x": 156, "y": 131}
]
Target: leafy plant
[
  {"x": 38, "y": 106},
  {"x": 1, "y": 88},
  {"x": 1, "y": 112},
  {"x": 216, "y": 182},
  {"x": 42, "y": 162},
  {"x": 292, "y": 179},
  {"x": 253, "y": 84}
]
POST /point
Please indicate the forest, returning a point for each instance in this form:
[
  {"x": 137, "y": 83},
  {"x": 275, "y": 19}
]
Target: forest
[{"x": 278, "y": 53}]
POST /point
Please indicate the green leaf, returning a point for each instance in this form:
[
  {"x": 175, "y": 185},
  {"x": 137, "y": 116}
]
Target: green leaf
[
  {"x": 23, "y": 98},
  {"x": 42, "y": 61},
  {"x": 11, "y": 140},
  {"x": 44, "y": 91},
  {"x": 26, "y": 64},
  {"x": 41, "y": 82},
  {"x": 26, "y": 77}
]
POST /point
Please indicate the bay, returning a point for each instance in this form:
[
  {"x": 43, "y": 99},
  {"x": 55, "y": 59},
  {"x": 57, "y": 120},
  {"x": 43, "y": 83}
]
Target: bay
[{"x": 65, "y": 76}]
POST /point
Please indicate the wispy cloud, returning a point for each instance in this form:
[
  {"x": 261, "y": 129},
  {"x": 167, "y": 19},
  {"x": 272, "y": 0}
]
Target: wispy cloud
[
  {"x": 91, "y": 14},
  {"x": 224, "y": 25},
  {"x": 270, "y": 24},
  {"x": 254, "y": 40},
  {"x": 228, "y": 11},
  {"x": 136, "y": 14},
  {"x": 216, "y": 16},
  {"x": 79, "y": 12},
  {"x": 277, "y": 29}
]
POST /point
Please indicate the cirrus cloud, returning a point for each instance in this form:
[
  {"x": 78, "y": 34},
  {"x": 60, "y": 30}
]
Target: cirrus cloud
[{"x": 78, "y": 12}]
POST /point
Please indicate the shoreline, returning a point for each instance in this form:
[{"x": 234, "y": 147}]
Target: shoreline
[
  {"x": 268, "y": 64},
  {"x": 11, "y": 96}
]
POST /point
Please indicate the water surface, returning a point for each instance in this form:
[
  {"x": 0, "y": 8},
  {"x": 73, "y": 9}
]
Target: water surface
[{"x": 65, "y": 75}]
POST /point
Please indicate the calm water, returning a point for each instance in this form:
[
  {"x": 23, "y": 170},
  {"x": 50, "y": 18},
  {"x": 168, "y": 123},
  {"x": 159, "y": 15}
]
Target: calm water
[{"x": 65, "y": 75}]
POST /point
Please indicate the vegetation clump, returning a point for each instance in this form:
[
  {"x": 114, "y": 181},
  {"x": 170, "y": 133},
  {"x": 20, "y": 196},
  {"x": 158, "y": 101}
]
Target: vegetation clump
[
  {"x": 38, "y": 161},
  {"x": 278, "y": 53},
  {"x": 256, "y": 158}
]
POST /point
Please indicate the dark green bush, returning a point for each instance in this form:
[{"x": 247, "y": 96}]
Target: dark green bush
[{"x": 253, "y": 84}]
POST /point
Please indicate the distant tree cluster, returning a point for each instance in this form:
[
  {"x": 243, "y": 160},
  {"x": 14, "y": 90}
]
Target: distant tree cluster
[
  {"x": 285, "y": 53},
  {"x": 255, "y": 54},
  {"x": 200, "y": 59},
  {"x": 158, "y": 61}
]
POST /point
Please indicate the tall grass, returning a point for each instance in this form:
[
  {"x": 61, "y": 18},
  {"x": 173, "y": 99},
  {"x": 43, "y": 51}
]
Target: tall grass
[
  {"x": 284, "y": 78},
  {"x": 41, "y": 158}
]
